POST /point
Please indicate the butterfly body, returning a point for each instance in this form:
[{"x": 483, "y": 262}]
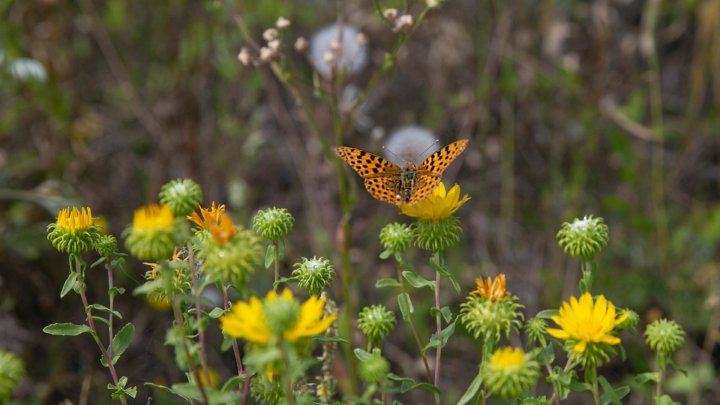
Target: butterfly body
[{"x": 397, "y": 185}]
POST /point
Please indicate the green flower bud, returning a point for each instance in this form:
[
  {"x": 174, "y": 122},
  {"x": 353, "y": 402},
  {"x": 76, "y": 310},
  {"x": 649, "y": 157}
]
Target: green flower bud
[
  {"x": 11, "y": 372},
  {"x": 376, "y": 322},
  {"x": 314, "y": 275},
  {"x": 106, "y": 246},
  {"x": 664, "y": 336},
  {"x": 436, "y": 236},
  {"x": 535, "y": 401},
  {"x": 631, "y": 321},
  {"x": 154, "y": 233},
  {"x": 486, "y": 319},
  {"x": 510, "y": 372},
  {"x": 265, "y": 392},
  {"x": 273, "y": 223},
  {"x": 535, "y": 329},
  {"x": 583, "y": 237},
  {"x": 74, "y": 231},
  {"x": 233, "y": 261},
  {"x": 396, "y": 238},
  {"x": 281, "y": 314},
  {"x": 181, "y": 195},
  {"x": 375, "y": 368}
]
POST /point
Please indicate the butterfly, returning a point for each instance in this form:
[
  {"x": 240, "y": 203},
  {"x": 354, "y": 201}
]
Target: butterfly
[{"x": 397, "y": 185}]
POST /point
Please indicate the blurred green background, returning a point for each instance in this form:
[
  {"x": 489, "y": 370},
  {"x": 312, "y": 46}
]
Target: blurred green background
[{"x": 597, "y": 107}]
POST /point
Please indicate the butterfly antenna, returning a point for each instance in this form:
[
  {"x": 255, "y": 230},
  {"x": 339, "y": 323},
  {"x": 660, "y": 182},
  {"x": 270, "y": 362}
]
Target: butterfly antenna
[
  {"x": 394, "y": 154},
  {"x": 430, "y": 147}
]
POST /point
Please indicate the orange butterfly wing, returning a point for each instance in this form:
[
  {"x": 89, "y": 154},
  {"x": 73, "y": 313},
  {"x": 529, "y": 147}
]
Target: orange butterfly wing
[
  {"x": 366, "y": 164},
  {"x": 424, "y": 185},
  {"x": 382, "y": 177},
  {"x": 436, "y": 163}
]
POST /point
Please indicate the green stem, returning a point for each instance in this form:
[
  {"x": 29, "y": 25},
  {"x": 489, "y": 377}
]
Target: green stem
[
  {"x": 438, "y": 322},
  {"x": 411, "y": 321},
  {"x": 595, "y": 390},
  {"x": 198, "y": 316},
  {"x": 106, "y": 355},
  {"x": 287, "y": 381},
  {"x": 276, "y": 254},
  {"x": 186, "y": 350}
]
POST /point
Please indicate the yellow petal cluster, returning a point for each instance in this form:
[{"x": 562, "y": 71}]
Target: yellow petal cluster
[
  {"x": 152, "y": 217},
  {"x": 508, "y": 358},
  {"x": 492, "y": 289},
  {"x": 75, "y": 220},
  {"x": 247, "y": 319},
  {"x": 438, "y": 205},
  {"x": 216, "y": 221},
  {"x": 586, "y": 321}
]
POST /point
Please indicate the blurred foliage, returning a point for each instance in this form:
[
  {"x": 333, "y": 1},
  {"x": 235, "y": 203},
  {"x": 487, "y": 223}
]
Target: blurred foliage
[{"x": 559, "y": 99}]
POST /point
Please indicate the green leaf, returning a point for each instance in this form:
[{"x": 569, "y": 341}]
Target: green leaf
[
  {"x": 361, "y": 354},
  {"x": 444, "y": 311},
  {"x": 115, "y": 291},
  {"x": 233, "y": 383},
  {"x": 97, "y": 262},
  {"x": 269, "y": 256},
  {"x": 66, "y": 329},
  {"x": 665, "y": 400},
  {"x": 417, "y": 280},
  {"x": 445, "y": 272},
  {"x": 645, "y": 378},
  {"x": 444, "y": 336},
  {"x": 408, "y": 384},
  {"x": 612, "y": 395},
  {"x": 100, "y": 319},
  {"x": 216, "y": 313},
  {"x": 387, "y": 282},
  {"x": 406, "y": 306},
  {"x": 102, "y": 308},
  {"x": 120, "y": 343},
  {"x": 385, "y": 254},
  {"x": 70, "y": 283},
  {"x": 471, "y": 391},
  {"x": 546, "y": 314},
  {"x": 327, "y": 339}
]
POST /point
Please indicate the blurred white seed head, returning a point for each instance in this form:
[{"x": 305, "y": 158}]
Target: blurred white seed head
[
  {"x": 244, "y": 56},
  {"x": 390, "y": 14},
  {"x": 282, "y": 22},
  {"x": 270, "y": 34},
  {"x": 410, "y": 143},
  {"x": 266, "y": 54},
  {"x": 301, "y": 44},
  {"x": 274, "y": 45},
  {"x": 403, "y": 23},
  {"x": 334, "y": 47},
  {"x": 433, "y": 3}
]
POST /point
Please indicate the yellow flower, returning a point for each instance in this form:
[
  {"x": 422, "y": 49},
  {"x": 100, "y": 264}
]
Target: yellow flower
[
  {"x": 585, "y": 321},
  {"x": 152, "y": 217},
  {"x": 212, "y": 374},
  {"x": 75, "y": 220},
  {"x": 215, "y": 221},
  {"x": 439, "y": 205},
  {"x": 247, "y": 320},
  {"x": 491, "y": 289},
  {"x": 508, "y": 358}
]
